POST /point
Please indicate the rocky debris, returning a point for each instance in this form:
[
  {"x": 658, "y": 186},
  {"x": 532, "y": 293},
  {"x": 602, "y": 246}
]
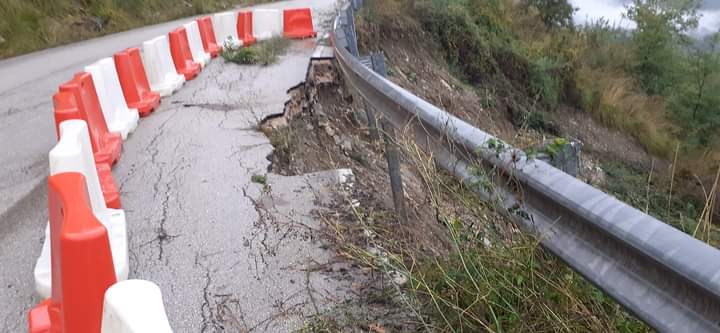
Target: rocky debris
[
  {"x": 304, "y": 95},
  {"x": 2, "y": 40}
]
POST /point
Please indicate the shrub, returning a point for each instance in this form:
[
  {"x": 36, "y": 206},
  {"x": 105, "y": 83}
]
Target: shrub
[
  {"x": 240, "y": 55},
  {"x": 263, "y": 53}
]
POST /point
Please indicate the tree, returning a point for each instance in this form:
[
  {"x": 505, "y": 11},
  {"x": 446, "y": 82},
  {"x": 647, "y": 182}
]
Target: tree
[
  {"x": 662, "y": 27},
  {"x": 554, "y": 13},
  {"x": 696, "y": 103}
]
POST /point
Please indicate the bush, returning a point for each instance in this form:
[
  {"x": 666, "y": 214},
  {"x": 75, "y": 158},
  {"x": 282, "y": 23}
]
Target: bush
[
  {"x": 240, "y": 55},
  {"x": 544, "y": 81},
  {"x": 263, "y": 53},
  {"x": 555, "y": 13}
]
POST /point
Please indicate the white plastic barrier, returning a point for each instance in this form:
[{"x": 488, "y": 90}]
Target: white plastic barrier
[
  {"x": 118, "y": 116},
  {"x": 225, "y": 25},
  {"x": 134, "y": 306},
  {"x": 159, "y": 67},
  {"x": 196, "y": 47},
  {"x": 73, "y": 153},
  {"x": 267, "y": 23}
]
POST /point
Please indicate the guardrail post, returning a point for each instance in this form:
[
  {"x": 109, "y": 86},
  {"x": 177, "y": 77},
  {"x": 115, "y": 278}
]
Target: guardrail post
[
  {"x": 372, "y": 122},
  {"x": 392, "y": 154}
]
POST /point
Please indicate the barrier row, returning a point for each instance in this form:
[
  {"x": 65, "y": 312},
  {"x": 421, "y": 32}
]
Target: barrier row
[{"x": 83, "y": 267}]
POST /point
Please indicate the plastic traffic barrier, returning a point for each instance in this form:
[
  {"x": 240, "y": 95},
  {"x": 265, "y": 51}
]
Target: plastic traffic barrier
[
  {"x": 195, "y": 42},
  {"x": 134, "y": 306},
  {"x": 181, "y": 55},
  {"x": 118, "y": 116},
  {"x": 298, "y": 23},
  {"x": 77, "y": 99},
  {"x": 267, "y": 23},
  {"x": 225, "y": 25},
  {"x": 74, "y": 154},
  {"x": 207, "y": 34},
  {"x": 82, "y": 264},
  {"x": 134, "y": 81},
  {"x": 159, "y": 67},
  {"x": 245, "y": 28}
]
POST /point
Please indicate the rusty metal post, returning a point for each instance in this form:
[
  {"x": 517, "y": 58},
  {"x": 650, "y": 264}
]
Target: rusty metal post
[
  {"x": 392, "y": 154},
  {"x": 372, "y": 122}
]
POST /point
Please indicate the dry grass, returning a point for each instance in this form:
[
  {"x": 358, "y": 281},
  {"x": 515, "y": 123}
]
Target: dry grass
[
  {"x": 27, "y": 26},
  {"x": 616, "y": 101},
  {"x": 495, "y": 278}
]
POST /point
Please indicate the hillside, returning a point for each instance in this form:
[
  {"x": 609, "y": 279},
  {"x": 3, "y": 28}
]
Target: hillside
[
  {"x": 646, "y": 115},
  {"x": 27, "y": 26}
]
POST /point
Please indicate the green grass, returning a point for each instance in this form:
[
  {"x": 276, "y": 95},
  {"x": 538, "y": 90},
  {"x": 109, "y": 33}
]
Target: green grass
[
  {"x": 516, "y": 287},
  {"x": 27, "y": 26},
  {"x": 651, "y": 195},
  {"x": 240, "y": 55},
  {"x": 259, "y": 179},
  {"x": 263, "y": 53},
  {"x": 494, "y": 278}
]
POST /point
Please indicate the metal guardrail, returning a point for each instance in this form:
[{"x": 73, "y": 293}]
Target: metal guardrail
[{"x": 666, "y": 278}]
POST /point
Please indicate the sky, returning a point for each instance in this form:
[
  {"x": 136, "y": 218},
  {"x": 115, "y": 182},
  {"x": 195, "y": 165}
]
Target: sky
[{"x": 613, "y": 10}]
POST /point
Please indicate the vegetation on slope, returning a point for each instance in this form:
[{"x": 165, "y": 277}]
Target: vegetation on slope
[
  {"x": 455, "y": 264},
  {"x": 31, "y": 25},
  {"x": 654, "y": 83},
  {"x": 651, "y": 83}
]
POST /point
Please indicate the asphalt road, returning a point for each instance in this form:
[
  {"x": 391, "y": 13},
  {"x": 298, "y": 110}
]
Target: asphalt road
[
  {"x": 229, "y": 254},
  {"x": 26, "y": 87}
]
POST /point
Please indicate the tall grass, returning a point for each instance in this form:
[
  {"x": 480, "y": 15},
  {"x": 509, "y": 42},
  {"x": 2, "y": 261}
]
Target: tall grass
[
  {"x": 31, "y": 25},
  {"x": 505, "y": 45},
  {"x": 494, "y": 278}
]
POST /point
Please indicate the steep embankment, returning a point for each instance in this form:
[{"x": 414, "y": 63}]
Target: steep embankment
[
  {"x": 27, "y": 26},
  {"x": 449, "y": 263},
  {"x": 498, "y": 66}
]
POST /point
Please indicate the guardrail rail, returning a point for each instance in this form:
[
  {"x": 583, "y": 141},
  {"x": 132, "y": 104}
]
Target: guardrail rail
[{"x": 666, "y": 278}]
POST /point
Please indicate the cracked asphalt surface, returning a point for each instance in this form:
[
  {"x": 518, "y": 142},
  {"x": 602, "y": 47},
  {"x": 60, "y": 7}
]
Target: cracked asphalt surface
[
  {"x": 229, "y": 255},
  {"x": 28, "y": 83}
]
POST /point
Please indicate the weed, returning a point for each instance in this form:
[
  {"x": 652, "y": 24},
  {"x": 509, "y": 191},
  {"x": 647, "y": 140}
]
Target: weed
[
  {"x": 264, "y": 53},
  {"x": 259, "y": 179},
  {"x": 539, "y": 121},
  {"x": 498, "y": 146},
  {"x": 495, "y": 279},
  {"x": 320, "y": 324},
  {"x": 631, "y": 185},
  {"x": 556, "y": 147},
  {"x": 270, "y": 50},
  {"x": 240, "y": 55}
]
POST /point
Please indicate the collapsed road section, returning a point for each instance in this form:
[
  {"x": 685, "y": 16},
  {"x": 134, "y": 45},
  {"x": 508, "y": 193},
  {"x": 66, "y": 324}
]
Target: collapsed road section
[{"x": 231, "y": 247}]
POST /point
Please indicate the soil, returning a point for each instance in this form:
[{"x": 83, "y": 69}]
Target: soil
[
  {"x": 415, "y": 64},
  {"x": 602, "y": 142},
  {"x": 325, "y": 127}
]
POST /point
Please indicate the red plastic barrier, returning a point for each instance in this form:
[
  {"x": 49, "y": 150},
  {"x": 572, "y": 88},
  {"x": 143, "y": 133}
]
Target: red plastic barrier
[
  {"x": 71, "y": 103},
  {"x": 82, "y": 264},
  {"x": 134, "y": 82},
  {"x": 298, "y": 23},
  {"x": 181, "y": 55},
  {"x": 77, "y": 99},
  {"x": 245, "y": 28},
  {"x": 111, "y": 194},
  {"x": 207, "y": 34}
]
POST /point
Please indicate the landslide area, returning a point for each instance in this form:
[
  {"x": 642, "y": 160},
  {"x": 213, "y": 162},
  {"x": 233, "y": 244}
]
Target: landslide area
[
  {"x": 502, "y": 68},
  {"x": 453, "y": 262},
  {"x": 450, "y": 262}
]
